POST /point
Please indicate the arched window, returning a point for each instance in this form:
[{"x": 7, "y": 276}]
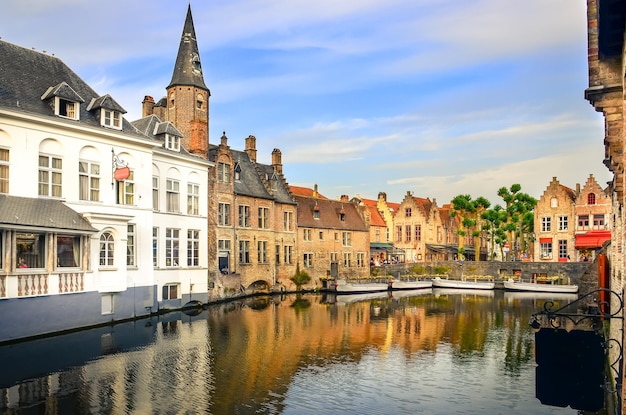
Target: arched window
[
  {"x": 107, "y": 245},
  {"x": 591, "y": 199}
]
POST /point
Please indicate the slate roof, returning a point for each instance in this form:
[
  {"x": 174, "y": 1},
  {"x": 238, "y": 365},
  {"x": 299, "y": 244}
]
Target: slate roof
[
  {"x": 188, "y": 70},
  {"x": 41, "y": 213},
  {"x": 30, "y": 79}
]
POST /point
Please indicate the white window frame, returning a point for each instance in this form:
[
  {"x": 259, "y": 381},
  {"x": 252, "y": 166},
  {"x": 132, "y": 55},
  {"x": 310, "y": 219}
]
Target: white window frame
[
  {"x": 307, "y": 260},
  {"x": 89, "y": 180},
  {"x": 347, "y": 259},
  {"x": 4, "y": 170},
  {"x": 110, "y": 118},
  {"x": 264, "y": 218},
  {"x": 193, "y": 247},
  {"x": 262, "y": 252},
  {"x": 223, "y": 214},
  {"x": 169, "y": 289},
  {"x": 107, "y": 249},
  {"x": 66, "y": 108},
  {"x": 131, "y": 245},
  {"x": 126, "y": 190},
  {"x": 155, "y": 193},
  {"x": 223, "y": 172},
  {"x": 155, "y": 246},
  {"x": 172, "y": 196},
  {"x": 244, "y": 251},
  {"x": 50, "y": 176},
  {"x": 193, "y": 199},
  {"x": 172, "y": 247},
  {"x": 244, "y": 216},
  {"x": 546, "y": 224},
  {"x": 172, "y": 142},
  {"x": 563, "y": 224},
  {"x": 346, "y": 238}
]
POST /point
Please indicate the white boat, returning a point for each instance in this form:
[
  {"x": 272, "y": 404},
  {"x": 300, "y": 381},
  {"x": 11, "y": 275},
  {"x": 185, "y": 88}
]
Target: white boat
[
  {"x": 438, "y": 292},
  {"x": 513, "y": 285},
  {"x": 342, "y": 286},
  {"x": 409, "y": 285},
  {"x": 465, "y": 284}
]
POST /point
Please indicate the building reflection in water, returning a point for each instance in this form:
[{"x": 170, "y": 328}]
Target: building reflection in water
[{"x": 243, "y": 356}]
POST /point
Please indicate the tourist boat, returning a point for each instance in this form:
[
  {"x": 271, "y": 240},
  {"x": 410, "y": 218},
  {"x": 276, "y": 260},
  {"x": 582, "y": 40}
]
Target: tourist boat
[
  {"x": 474, "y": 283},
  {"x": 398, "y": 284},
  {"x": 342, "y": 286},
  {"x": 549, "y": 286}
]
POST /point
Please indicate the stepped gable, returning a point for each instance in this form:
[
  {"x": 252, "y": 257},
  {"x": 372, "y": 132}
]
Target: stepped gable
[{"x": 29, "y": 80}]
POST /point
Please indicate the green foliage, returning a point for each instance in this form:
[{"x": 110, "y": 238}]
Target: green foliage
[
  {"x": 440, "y": 270},
  {"x": 300, "y": 277},
  {"x": 418, "y": 270}
]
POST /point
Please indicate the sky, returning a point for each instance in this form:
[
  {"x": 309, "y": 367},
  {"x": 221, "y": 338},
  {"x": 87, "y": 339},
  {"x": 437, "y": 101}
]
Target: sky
[{"x": 433, "y": 97}]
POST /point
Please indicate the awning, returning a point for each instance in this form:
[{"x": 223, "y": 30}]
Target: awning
[
  {"x": 545, "y": 240},
  {"x": 444, "y": 249},
  {"x": 381, "y": 246},
  {"x": 592, "y": 239}
]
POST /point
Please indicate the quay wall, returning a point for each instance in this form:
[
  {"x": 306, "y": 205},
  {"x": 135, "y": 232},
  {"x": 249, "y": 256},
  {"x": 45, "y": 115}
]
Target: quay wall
[{"x": 584, "y": 274}]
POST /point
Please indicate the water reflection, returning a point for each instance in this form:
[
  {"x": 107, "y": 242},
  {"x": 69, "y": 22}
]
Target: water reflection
[{"x": 422, "y": 352}]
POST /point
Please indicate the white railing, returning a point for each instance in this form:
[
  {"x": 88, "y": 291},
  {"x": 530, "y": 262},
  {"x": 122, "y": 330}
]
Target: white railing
[{"x": 33, "y": 284}]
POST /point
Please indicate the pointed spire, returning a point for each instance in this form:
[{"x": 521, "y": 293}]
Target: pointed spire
[{"x": 187, "y": 70}]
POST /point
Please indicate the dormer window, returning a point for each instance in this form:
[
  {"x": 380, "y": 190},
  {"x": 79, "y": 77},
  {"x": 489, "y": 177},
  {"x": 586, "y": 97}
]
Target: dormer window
[
  {"x": 316, "y": 212},
  {"x": 110, "y": 118},
  {"x": 65, "y": 108},
  {"x": 342, "y": 214},
  {"x": 64, "y": 101},
  {"x": 237, "y": 172},
  {"x": 172, "y": 142}
]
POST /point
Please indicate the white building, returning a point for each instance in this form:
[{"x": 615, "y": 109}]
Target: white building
[{"x": 100, "y": 219}]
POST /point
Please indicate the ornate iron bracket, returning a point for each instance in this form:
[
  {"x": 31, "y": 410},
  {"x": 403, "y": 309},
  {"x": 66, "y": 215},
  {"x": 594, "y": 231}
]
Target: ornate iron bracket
[{"x": 596, "y": 313}]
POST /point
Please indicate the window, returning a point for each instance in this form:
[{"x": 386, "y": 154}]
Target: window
[
  {"x": 407, "y": 212},
  {"x": 277, "y": 255},
  {"x": 89, "y": 180},
  {"x": 346, "y": 259},
  {"x": 171, "y": 292},
  {"x": 67, "y": 108},
  {"x": 337, "y": 236},
  {"x": 591, "y": 199},
  {"x": 334, "y": 257},
  {"x": 264, "y": 218},
  {"x": 193, "y": 248},
  {"x": 321, "y": 235},
  {"x": 546, "y": 250},
  {"x": 288, "y": 253},
  {"x": 262, "y": 252},
  {"x": 172, "y": 196},
  {"x": 399, "y": 233},
  {"x": 418, "y": 232},
  {"x": 563, "y": 223},
  {"x": 126, "y": 190},
  {"x": 387, "y": 234},
  {"x": 107, "y": 249},
  {"x": 155, "y": 247},
  {"x": 583, "y": 222},
  {"x": 407, "y": 233},
  {"x": 110, "y": 118},
  {"x": 562, "y": 248},
  {"x": 4, "y": 170},
  {"x": 172, "y": 142},
  {"x": 308, "y": 260},
  {"x": 155, "y": 193},
  {"x": 244, "y": 216},
  {"x": 288, "y": 221},
  {"x": 193, "y": 199},
  {"x": 316, "y": 212},
  {"x": 546, "y": 224},
  {"x": 377, "y": 235},
  {"x": 360, "y": 259},
  {"x": 598, "y": 221},
  {"x": 223, "y": 214},
  {"x": 130, "y": 245},
  {"x": 237, "y": 172},
  {"x": 306, "y": 233},
  {"x": 172, "y": 239},
  {"x": 50, "y": 174},
  {"x": 244, "y": 252},
  {"x": 223, "y": 245},
  {"x": 554, "y": 202},
  {"x": 30, "y": 250},
  {"x": 223, "y": 172},
  {"x": 347, "y": 238}
]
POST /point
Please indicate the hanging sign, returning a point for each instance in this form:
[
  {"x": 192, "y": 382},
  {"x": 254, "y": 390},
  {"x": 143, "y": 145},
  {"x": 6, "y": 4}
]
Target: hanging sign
[{"x": 121, "y": 171}]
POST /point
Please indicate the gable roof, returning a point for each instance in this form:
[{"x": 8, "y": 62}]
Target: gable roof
[
  {"x": 24, "y": 212},
  {"x": 329, "y": 214},
  {"x": 376, "y": 218},
  {"x": 305, "y": 191}
]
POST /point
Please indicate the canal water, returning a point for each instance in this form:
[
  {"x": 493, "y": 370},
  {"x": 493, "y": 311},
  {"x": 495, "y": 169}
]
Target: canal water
[{"x": 425, "y": 352}]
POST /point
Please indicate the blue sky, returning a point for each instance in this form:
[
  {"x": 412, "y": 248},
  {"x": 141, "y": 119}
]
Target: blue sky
[{"x": 433, "y": 97}]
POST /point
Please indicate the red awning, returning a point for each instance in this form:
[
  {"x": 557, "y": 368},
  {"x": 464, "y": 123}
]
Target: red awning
[
  {"x": 593, "y": 239},
  {"x": 545, "y": 240}
]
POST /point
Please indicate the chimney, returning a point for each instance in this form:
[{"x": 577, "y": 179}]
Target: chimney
[
  {"x": 250, "y": 147},
  {"x": 577, "y": 189},
  {"x": 315, "y": 193},
  {"x": 224, "y": 139},
  {"x": 345, "y": 198},
  {"x": 277, "y": 162},
  {"x": 147, "y": 106}
]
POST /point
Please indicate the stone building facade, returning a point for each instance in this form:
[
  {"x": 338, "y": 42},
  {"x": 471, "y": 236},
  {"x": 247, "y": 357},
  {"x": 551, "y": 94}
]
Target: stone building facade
[{"x": 333, "y": 237}]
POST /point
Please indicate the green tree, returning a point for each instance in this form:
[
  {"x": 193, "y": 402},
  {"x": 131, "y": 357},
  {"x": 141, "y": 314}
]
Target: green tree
[
  {"x": 519, "y": 224},
  {"x": 300, "y": 278},
  {"x": 462, "y": 208},
  {"x": 493, "y": 220}
]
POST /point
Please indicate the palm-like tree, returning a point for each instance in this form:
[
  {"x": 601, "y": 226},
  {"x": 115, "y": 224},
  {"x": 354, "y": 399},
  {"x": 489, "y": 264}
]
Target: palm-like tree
[{"x": 519, "y": 208}]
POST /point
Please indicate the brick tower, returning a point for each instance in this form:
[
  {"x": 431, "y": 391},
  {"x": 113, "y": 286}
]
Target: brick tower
[{"x": 188, "y": 95}]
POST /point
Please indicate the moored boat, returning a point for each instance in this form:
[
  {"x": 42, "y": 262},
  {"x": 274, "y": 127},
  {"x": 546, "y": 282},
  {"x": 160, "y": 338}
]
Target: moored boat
[
  {"x": 474, "y": 284},
  {"x": 342, "y": 286},
  {"x": 513, "y": 285},
  {"x": 398, "y": 284}
]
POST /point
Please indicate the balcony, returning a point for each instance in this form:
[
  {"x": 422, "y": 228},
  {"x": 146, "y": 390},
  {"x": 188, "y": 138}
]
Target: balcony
[{"x": 35, "y": 284}]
